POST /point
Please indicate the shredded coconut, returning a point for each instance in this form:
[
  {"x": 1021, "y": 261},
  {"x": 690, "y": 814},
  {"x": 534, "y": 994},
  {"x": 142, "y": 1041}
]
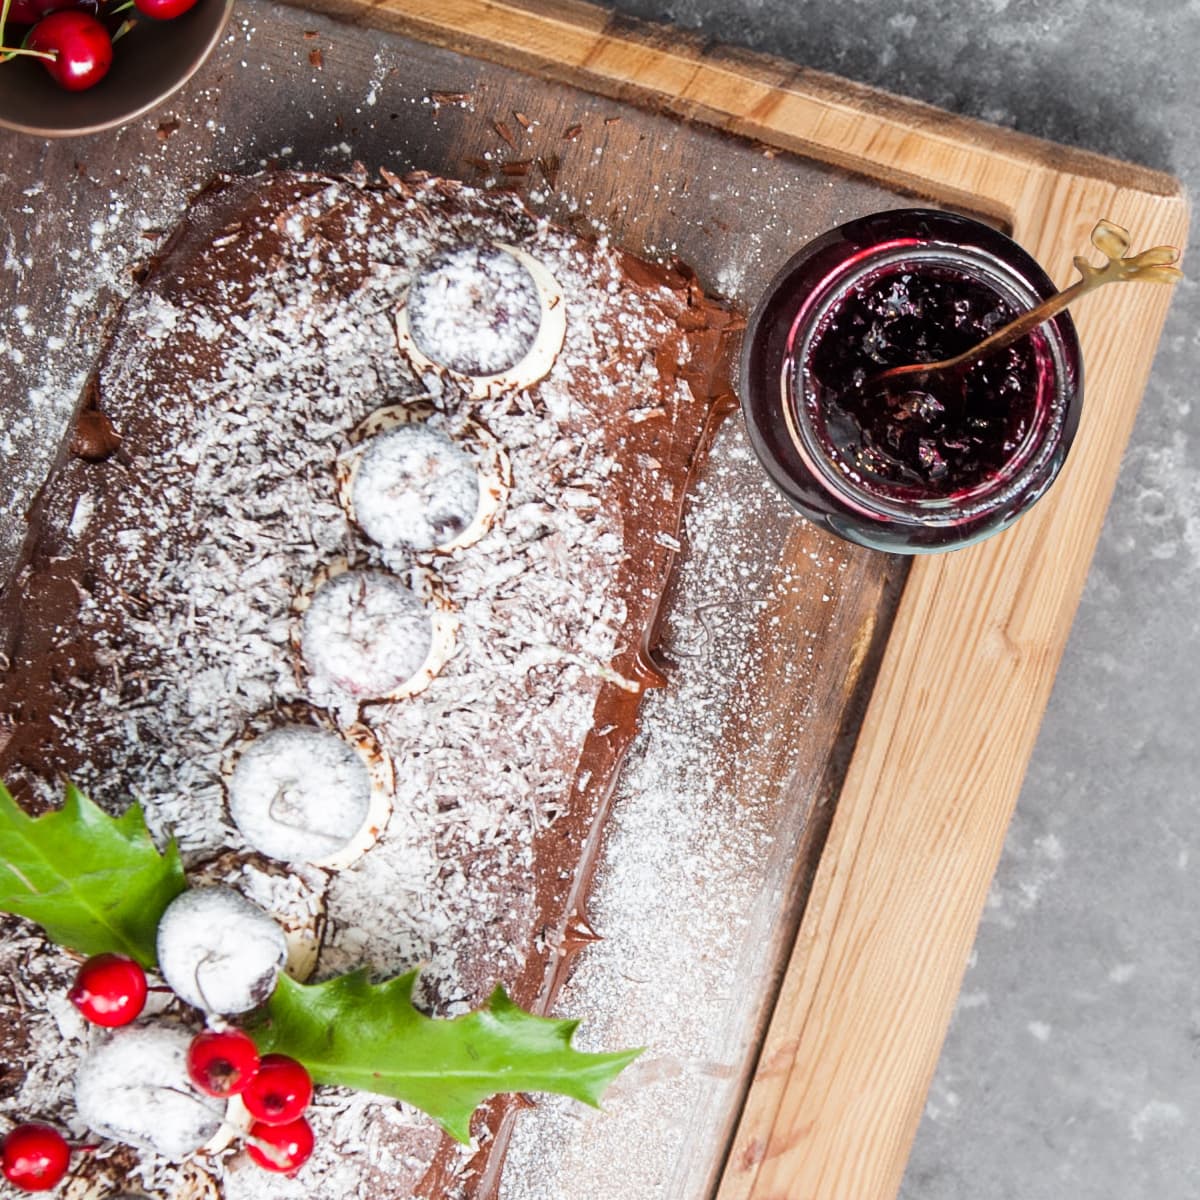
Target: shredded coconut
[
  {"x": 480, "y": 754},
  {"x": 490, "y": 748}
]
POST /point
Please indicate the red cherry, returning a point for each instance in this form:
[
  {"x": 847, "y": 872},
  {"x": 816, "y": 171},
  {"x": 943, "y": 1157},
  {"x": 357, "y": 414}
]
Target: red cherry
[
  {"x": 109, "y": 989},
  {"x": 280, "y": 1091},
  {"x": 35, "y": 1157},
  {"x": 26, "y": 12},
  {"x": 222, "y": 1063},
  {"x": 80, "y": 44},
  {"x": 163, "y": 10},
  {"x": 283, "y": 1148}
]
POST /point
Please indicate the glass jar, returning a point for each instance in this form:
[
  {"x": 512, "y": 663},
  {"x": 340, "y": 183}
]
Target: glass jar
[{"x": 929, "y": 463}]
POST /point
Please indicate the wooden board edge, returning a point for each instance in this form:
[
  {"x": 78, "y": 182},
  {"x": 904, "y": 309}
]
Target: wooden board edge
[
  {"x": 908, "y": 144},
  {"x": 922, "y": 815}
]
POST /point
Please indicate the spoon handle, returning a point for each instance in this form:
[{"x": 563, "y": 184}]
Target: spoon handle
[{"x": 1156, "y": 265}]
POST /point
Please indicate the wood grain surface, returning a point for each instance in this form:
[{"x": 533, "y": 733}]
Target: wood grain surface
[{"x": 972, "y": 647}]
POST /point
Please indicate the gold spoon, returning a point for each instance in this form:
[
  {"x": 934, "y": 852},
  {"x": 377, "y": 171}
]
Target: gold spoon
[{"x": 1155, "y": 266}]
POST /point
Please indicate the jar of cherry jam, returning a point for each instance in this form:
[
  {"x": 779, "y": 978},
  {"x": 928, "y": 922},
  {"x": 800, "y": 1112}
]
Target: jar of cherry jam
[{"x": 924, "y": 463}]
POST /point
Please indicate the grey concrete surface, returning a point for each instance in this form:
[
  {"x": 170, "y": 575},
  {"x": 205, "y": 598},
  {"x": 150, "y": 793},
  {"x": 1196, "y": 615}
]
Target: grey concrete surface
[{"x": 1072, "y": 1068}]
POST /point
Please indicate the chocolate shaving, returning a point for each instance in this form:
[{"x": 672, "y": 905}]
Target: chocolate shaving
[{"x": 503, "y": 130}]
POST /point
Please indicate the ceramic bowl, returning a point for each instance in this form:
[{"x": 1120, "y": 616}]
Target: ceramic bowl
[{"x": 150, "y": 63}]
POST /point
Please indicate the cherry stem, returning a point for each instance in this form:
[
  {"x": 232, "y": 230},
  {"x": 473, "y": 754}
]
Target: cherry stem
[
  {"x": 10, "y": 51},
  {"x": 126, "y": 26},
  {"x": 121, "y": 8},
  {"x": 4, "y": 19}
]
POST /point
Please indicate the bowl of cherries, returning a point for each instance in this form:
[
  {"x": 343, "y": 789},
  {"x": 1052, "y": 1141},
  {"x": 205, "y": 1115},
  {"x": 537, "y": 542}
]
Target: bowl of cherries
[{"x": 71, "y": 67}]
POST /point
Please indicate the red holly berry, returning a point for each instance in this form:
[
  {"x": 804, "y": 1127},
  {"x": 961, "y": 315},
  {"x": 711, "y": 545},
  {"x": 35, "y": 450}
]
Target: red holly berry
[
  {"x": 80, "y": 45},
  {"x": 283, "y": 1148},
  {"x": 280, "y": 1091},
  {"x": 110, "y": 989},
  {"x": 222, "y": 1063},
  {"x": 35, "y": 1157},
  {"x": 163, "y": 10}
]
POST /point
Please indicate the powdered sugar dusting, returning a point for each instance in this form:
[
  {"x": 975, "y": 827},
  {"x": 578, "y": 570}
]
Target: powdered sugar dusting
[
  {"x": 134, "y": 1087},
  {"x": 299, "y": 793},
  {"x": 218, "y": 951},
  {"x": 91, "y": 277},
  {"x": 684, "y": 897},
  {"x": 415, "y": 488}
]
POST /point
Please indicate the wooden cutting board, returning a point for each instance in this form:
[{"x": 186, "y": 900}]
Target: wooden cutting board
[{"x": 909, "y": 694}]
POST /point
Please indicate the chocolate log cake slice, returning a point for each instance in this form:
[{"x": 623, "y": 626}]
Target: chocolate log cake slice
[{"x": 383, "y": 478}]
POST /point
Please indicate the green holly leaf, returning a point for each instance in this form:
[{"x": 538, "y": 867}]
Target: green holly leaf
[
  {"x": 350, "y": 1032},
  {"x": 94, "y": 883}
]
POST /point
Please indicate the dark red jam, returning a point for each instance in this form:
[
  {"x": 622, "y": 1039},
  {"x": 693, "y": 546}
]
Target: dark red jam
[
  {"x": 921, "y": 436},
  {"x": 926, "y": 462}
]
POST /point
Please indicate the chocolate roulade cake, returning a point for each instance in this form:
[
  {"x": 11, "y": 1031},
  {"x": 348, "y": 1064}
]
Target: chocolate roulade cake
[{"x": 374, "y": 672}]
